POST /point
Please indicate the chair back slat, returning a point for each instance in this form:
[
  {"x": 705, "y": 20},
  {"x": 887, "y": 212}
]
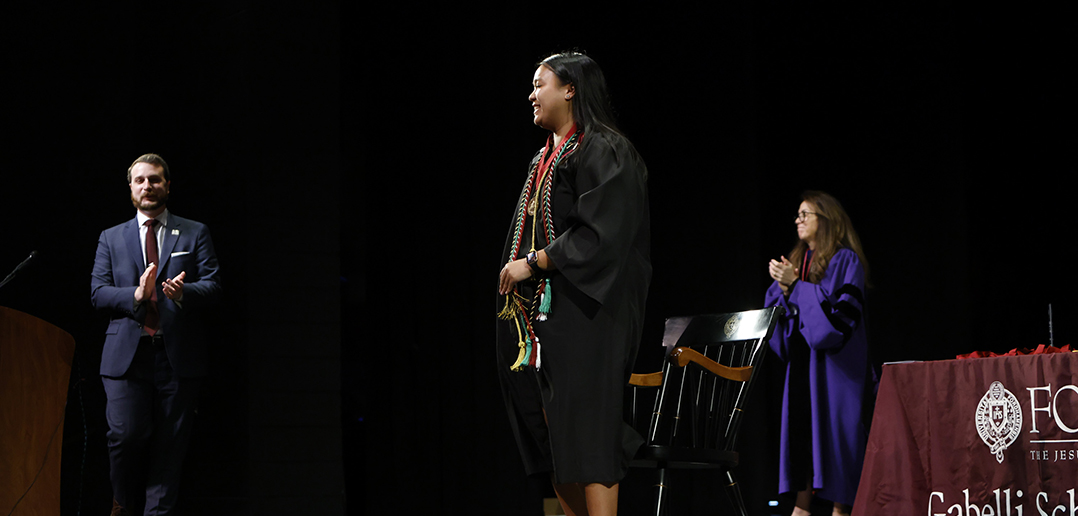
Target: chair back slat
[{"x": 660, "y": 401}]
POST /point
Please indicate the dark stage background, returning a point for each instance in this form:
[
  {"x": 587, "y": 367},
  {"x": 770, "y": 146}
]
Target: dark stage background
[{"x": 358, "y": 168}]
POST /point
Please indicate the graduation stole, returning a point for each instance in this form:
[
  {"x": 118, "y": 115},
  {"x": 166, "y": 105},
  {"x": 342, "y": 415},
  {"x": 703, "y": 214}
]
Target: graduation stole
[{"x": 535, "y": 201}]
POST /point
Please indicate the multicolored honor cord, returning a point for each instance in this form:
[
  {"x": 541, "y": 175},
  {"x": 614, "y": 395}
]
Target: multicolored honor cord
[{"x": 540, "y": 183}]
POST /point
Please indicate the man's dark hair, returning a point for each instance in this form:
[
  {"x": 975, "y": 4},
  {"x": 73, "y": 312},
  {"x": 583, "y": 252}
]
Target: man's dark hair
[{"x": 152, "y": 159}]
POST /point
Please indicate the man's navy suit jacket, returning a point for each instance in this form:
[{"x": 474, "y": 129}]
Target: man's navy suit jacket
[{"x": 117, "y": 268}]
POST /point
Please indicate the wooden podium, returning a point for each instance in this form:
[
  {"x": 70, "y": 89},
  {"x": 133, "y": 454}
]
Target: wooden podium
[{"x": 35, "y": 369}]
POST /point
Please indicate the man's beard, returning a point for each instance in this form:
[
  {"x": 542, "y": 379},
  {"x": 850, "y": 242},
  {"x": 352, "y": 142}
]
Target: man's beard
[{"x": 152, "y": 206}]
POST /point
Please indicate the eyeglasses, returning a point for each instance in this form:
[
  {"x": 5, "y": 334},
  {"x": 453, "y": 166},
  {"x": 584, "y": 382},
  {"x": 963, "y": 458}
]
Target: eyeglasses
[{"x": 803, "y": 215}]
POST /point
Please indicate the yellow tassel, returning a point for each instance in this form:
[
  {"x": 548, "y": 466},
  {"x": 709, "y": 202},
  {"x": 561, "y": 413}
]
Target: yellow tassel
[
  {"x": 519, "y": 364},
  {"x": 510, "y": 310}
]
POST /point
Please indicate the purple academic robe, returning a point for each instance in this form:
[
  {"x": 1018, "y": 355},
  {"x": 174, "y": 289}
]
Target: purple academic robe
[{"x": 828, "y": 316}]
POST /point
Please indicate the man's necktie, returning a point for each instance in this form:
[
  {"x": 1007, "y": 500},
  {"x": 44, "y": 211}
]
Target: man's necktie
[{"x": 151, "y": 257}]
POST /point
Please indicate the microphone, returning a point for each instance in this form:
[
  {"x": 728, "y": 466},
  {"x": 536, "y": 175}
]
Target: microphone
[{"x": 18, "y": 268}]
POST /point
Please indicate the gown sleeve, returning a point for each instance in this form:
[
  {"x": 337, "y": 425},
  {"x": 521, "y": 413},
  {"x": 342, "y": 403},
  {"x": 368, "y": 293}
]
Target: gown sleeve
[
  {"x": 831, "y": 310},
  {"x": 785, "y": 326},
  {"x": 611, "y": 185}
]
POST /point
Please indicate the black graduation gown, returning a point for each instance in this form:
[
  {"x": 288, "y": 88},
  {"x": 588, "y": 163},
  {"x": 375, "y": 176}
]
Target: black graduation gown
[{"x": 589, "y": 343}]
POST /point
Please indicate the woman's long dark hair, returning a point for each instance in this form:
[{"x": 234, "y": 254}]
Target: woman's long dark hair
[
  {"x": 834, "y": 230},
  {"x": 592, "y": 111}
]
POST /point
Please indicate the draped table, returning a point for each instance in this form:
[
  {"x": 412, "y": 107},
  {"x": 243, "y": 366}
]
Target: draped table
[{"x": 977, "y": 437}]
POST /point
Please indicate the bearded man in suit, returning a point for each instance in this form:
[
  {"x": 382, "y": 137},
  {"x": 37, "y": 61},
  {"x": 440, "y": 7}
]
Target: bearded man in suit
[{"x": 156, "y": 276}]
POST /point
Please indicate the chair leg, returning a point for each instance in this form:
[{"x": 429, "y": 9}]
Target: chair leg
[
  {"x": 734, "y": 491},
  {"x": 660, "y": 496}
]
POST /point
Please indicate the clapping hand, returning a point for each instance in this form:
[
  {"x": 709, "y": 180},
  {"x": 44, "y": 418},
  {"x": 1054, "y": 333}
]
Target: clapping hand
[
  {"x": 783, "y": 272},
  {"x": 173, "y": 288},
  {"x": 145, "y": 283}
]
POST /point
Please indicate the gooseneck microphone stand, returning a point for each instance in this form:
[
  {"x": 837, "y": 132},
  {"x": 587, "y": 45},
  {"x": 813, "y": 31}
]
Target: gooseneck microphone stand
[{"x": 18, "y": 268}]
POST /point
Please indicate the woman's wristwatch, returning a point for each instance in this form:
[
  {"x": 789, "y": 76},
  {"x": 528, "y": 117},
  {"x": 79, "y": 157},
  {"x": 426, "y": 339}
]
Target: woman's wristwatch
[{"x": 533, "y": 263}]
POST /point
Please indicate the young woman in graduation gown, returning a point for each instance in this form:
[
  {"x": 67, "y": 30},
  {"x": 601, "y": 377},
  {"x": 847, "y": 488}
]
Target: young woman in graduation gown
[
  {"x": 822, "y": 342},
  {"x": 573, "y": 288}
]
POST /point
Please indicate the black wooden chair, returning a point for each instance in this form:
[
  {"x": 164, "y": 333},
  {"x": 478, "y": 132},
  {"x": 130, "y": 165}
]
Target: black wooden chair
[{"x": 698, "y": 409}]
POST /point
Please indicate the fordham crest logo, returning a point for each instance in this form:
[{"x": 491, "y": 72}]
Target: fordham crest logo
[
  {"x": 731, "y": 325},
  {"x": 999, "y": 419}
]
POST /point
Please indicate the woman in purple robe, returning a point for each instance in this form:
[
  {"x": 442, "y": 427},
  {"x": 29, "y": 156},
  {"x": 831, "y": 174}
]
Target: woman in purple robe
[{"x": 822, "y": 341}]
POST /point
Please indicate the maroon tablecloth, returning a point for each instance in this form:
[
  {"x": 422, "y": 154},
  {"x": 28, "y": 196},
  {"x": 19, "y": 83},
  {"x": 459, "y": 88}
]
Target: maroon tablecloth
[{"x": 982, "y": 437}]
